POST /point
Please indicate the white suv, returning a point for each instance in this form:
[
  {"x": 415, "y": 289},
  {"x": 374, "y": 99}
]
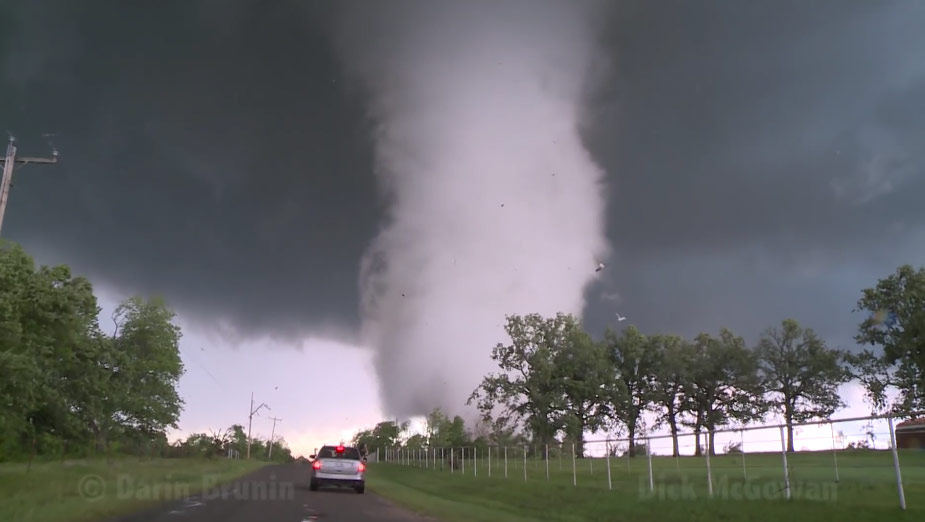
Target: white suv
[{"x": 338, "y": 465}]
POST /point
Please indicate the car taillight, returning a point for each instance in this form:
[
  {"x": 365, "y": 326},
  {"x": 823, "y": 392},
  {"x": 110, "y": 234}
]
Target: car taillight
[
  {"x": 316, "y": 464},
  {"x": 361, "y": 467}
]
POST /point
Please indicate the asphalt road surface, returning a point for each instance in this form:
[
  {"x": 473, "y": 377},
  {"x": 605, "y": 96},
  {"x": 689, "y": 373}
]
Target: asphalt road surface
[{"x": 276, "y": 494}]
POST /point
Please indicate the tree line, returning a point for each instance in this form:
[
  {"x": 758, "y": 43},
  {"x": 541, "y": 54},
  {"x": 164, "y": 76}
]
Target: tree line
[
  {"x": 230, "y": 443},
  {"x": 69, "y": 387},
  {"x": 556, "y": 382}
]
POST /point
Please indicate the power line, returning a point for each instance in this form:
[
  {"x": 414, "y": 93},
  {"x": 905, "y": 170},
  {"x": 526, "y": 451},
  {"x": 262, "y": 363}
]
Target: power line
[{"x": 9, "y": 163}]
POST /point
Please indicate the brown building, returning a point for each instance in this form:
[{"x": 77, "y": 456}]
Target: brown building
[{"x": 911, "y": 434}]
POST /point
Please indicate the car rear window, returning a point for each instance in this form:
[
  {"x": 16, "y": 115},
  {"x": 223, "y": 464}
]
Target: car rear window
[{"x": 330, "y": 452}]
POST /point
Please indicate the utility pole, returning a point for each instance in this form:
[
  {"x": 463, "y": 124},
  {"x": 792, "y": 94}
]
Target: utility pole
[
  {"x": 250, "y": 418},
  {"x": 9, "y": 163},
  {"x": 272, "y": 434}
]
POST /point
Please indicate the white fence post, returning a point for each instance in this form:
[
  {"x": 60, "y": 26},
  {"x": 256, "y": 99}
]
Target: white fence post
[
  {"x": 463, "y": 458},
  {"x": 489, "y": 461},
  {"x": 834, "y": 452},
  {"x": 505, "y": 462},
  {"x": 783, "y": 452},
  {"x": 649, "y": 455},
  {"x": 525, "y": 462},
  {"x": 452, "y": 454},
  {"x": 742, "y": 441},
  {"x": 899, "y": 477},
  {"x": 609, "y": 483},
  {"x": 547, "y": 461},
  {"x": 574, "y": 472},
  {"x": 475, "y": 461},
  {"x": 709, "y": 469}
]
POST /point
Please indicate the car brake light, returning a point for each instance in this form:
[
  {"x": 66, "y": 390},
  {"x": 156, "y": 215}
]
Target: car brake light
[
  {"x": 316, "y": 464},
  {"x": 340, "y": 449},
  {"x": 361, "y": 467}
]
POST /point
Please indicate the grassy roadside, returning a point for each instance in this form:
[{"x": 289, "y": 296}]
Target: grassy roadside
[
  {"x": 92, "y": 489},
  {"x": 866, "y": 490}
]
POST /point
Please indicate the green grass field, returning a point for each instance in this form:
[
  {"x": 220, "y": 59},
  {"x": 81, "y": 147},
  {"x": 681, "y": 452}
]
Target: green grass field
[
  {"x": 91, "y": 490},
  {"x": 866, "y": 489}
]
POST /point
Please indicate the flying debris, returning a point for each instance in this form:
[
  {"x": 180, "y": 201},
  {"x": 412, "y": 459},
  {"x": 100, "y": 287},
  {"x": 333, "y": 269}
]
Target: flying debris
[
  {"x": 620, "y": 318},
  {"x": 600, "y": 267}
]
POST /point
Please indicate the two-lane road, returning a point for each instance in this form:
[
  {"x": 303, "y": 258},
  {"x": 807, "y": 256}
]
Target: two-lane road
[{"x": 276, "y": 494}]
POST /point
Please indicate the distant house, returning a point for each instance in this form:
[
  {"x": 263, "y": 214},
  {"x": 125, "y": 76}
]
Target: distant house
[{"x": 911, "y": 434}]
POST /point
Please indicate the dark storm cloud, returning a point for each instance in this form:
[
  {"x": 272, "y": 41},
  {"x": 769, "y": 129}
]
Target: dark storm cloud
[
  {"x": 766, "y": 158},
  {"x": 209, "y": 153}
]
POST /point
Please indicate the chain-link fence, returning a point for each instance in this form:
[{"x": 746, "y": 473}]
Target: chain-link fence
[{"x": 862, "y": 455}]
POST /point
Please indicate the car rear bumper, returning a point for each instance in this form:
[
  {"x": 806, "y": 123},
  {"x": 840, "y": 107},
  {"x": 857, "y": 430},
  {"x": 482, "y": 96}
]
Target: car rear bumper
[{"x": 338, "y": 477}]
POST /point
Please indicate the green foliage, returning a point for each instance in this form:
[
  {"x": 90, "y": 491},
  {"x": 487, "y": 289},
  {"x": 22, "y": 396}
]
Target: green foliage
[
  {"x": 631, "y": 387},
  {"x": 800, "y": 375},
  {"x": 384, "y": 435},
  {"x": 722, "y": 385},
  {"x": 584, "y": 377},
  {"x": 445, "y": 432},
  {"x": 528, "y": 389},
  {"x": 897, "y": 326},
  {"x": 149, "y": 365},
  {"x": 670, "y": 375},
  {"x": 69, "y": 388}
]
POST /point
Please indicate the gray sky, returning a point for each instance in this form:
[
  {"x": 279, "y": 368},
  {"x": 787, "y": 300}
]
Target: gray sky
[
  {"x": 737, "y": 163},
  {"x": 765, "y": 159}
]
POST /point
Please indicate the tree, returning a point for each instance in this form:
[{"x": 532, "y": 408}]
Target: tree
[
  {"x": 150, "y": 367},
  {"x": 236, "y": 436},
  {"x": 383, "y": 435},
  {"x": 671, "y": 372},
  {"x": 897, "y": 325},
  {"x": 48, "y": 336},
  {"x": 416, "y": 442},
  {"x": 800, "y": 374},
  {"x": 723, "y": 385},
  {"x": 67, "y": 386},
  {"x": 582, "y": 368},
  {"x": 527, "y": 389},
  {"x": 630, "y": 388}
]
